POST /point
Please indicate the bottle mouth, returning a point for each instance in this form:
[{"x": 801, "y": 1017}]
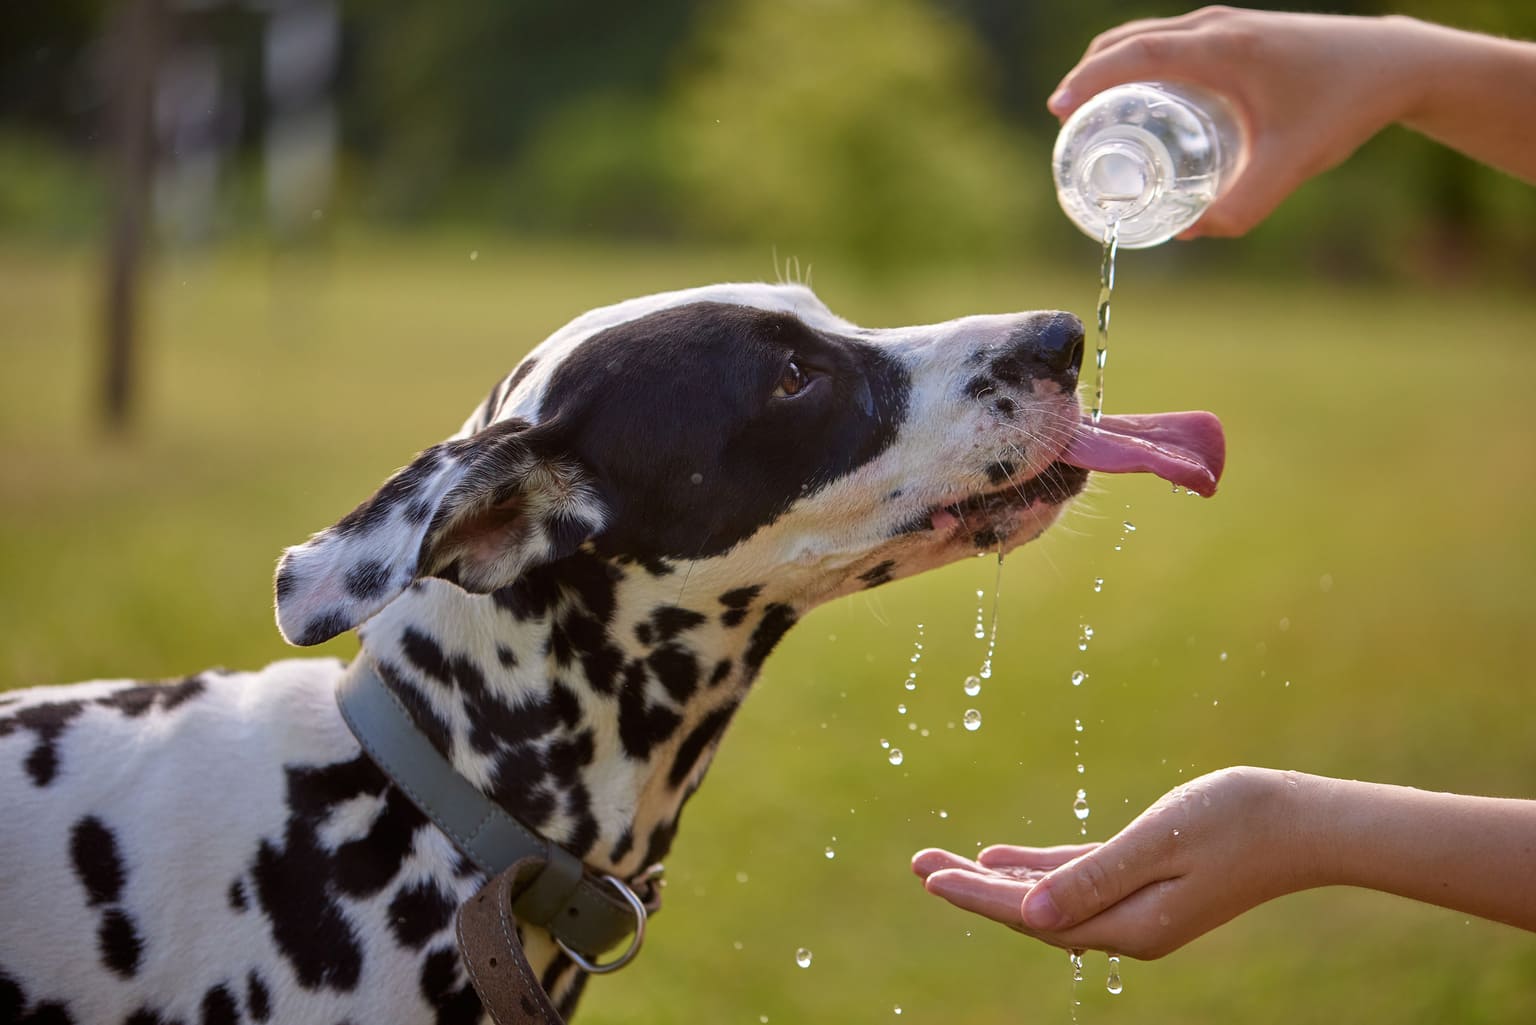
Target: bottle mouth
[{"x": 1119, "y": 178}]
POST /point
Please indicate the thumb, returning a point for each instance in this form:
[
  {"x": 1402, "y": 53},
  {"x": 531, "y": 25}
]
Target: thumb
[{"x": 1079, "y": 890}]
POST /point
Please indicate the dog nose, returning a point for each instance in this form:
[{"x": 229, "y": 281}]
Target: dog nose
[{"x": 1048, "y": 346}]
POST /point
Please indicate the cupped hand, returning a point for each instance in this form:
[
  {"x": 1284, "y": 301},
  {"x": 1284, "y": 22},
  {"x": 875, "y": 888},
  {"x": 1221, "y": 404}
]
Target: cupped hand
[{"x": 1202, "y": 854}]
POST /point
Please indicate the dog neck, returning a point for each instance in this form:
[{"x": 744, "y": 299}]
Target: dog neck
[{"x": 586, "y": 698}]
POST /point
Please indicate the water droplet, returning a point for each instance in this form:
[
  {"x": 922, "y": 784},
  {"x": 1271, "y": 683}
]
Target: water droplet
[
  {"x": 972, "y": 686},
  {"x": 1078, "y": 676},
  {"x": 885, "y": 743},
  {"x": 972, "y": 719},
  {"x": 1128, "y": 525},
  {"x": 738, "y": 945},
  {"x": 1175, "y": 832},
  {"x": 1113, "y": 984},
  {"x": 1080, "y": 806},
  {"x": 763, "y": 1018},
  {"x": 1118, "y": 547},
  {"x": 1088, "y": 631},
  {"x": 474, "y": 254},
  {"x": 943, "y": 814},
  {"x": 1223, "y": 656},
  {"x": 831, "y": 854},
  {"x": 697, "y": 478},
  {"x": 986, "y": 671},
  {"x": 1285, "y": 623},
  {"x": 898, "y": 1009},
  {"x": 1080, "y": 768},
  {"x": 895, "y": 756},
  {"x": 741, "y": 877},
  {"x": 1078, "y": 725},
  {"x": 1076, "y": 957},
  {"x": 1098, "y": 584},
  {"x": 1082, "y": 644},
  {"x": 901, "y": 709},
  {"x": 803, "y": 958},
  {"x": 911, "y": 684}
]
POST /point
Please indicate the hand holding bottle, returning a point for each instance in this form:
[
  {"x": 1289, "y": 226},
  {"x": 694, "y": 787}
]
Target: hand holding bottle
[{"x": 1308, "y": 90}]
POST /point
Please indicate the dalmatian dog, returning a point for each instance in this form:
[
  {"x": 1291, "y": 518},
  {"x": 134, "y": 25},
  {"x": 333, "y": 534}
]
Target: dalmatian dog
[{"x": 572, "y": 597}]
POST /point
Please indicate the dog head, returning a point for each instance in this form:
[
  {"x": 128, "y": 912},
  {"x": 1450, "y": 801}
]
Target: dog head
[{"x": 749, "y": 432}]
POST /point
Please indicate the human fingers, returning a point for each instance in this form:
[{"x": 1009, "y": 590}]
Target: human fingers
[
  {"x": 1005, "y": 856},
  {"x": 1151, "y": 55},
  {"x": 932, "y": 859},
  {"x": 1080, "y": 888},
  {"x": 1141, "y": 26},
  {"x": 984, "y": 893}
]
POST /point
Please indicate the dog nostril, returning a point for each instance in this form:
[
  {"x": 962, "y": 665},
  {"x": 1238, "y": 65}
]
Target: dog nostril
[
  {"x": 1076, "y": 361},
  {"x": 1060, "y": 343}
]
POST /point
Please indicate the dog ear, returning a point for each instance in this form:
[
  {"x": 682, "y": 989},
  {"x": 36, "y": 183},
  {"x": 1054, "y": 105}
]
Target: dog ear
[{"x": 477, "y": 511}]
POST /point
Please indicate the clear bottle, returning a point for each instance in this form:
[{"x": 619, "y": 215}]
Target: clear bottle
[{"x": 1149, "y": 155}]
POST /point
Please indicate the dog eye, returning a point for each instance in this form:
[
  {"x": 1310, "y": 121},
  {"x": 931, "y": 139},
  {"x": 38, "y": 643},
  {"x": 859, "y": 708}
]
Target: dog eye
[{"x": 793, "y": 381}]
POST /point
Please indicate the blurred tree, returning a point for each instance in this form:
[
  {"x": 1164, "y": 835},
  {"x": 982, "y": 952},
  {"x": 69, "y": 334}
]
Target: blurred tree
[{"x": 854, "y": 125}]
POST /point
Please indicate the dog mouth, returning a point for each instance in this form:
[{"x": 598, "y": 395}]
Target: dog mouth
[{"x": 1187, "y": 449}]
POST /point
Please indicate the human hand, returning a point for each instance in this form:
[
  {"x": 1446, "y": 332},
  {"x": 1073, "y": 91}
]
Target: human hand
[
  {"x": 1207, "y": 851},
  {"x": 1307, "y": 89}
]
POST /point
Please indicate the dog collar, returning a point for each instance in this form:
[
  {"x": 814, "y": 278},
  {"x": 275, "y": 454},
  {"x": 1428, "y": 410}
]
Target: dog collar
[{"x": 586, "y": 914}]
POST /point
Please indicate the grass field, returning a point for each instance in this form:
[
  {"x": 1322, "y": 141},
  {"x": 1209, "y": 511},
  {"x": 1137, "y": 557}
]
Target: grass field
[{"x": 1356, "y": 601}]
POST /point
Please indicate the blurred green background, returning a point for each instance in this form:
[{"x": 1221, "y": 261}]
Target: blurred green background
[{"x": 1354, "y": 601}]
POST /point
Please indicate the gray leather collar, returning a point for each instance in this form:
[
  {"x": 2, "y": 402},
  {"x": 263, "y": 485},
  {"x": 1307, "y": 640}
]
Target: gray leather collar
[{"x": 583, "y": 911}]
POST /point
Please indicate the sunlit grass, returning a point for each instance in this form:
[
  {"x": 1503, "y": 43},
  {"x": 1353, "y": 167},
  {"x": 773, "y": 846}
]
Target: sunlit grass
[{"x": 1366, "y": 570}]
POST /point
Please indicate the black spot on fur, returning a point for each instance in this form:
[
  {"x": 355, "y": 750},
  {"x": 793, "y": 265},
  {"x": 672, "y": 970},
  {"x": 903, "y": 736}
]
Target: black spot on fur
[
  {"x": 93, "y": 849},
  {"x": 402, "y": 487},
  {"x": 120, "y": 944},
  {"x": 258, "y": 1002},
  {"x": 13, "y": 1007},
  {"x": 417, "y": 512},
  {"x": 980, "y": 387},
  {"x": 660, "y": 842},
  {"x": 422, "y": 714},
  {"x": 419, "y": 912},
  {"x": 1000, "y": 472},
  {"x": 367, "y": 579},
  {"x": 423, "y": 653},
  {"x": 237, "y": 896},
  {"x": 567, "y": 758},
  {"x": 219, "y": 1007},
  {"x": 622, "y": 845},
  {"x": 697, "y": 740},
  {"x": 734, "y": 617},
  {"x": 671, "y": 620},
  {"x": 776, "y": 621},
  {"x": 506, "y": 657},
  {"x": 48, "y": 722},
  {"x": 741, "y": 597},
  {"x": 722, "y": 670},
  {"x": 1005, "y": 407},
  {"x": 135, "y": 701},
  {"x": 676, "y": 669},
  {"x": 531, "y": 596},
  {"x": 452, "y": 997},
  {"x": 325, "y": 626},
  {"x": 877, "y": 575},
  {"x": 641, "y": 725},
  {"x": 295, "y": 882}
]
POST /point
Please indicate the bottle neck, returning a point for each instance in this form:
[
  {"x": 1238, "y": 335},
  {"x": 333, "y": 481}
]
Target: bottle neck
[{"x": 1120, "y": 177}]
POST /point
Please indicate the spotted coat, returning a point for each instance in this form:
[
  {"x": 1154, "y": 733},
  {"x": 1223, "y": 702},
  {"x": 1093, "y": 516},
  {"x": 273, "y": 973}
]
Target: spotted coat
[{"x": 572, "y": 596}]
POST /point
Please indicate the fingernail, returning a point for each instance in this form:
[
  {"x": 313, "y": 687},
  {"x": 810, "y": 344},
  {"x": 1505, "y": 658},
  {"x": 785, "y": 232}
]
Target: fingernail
[
  {"x": 1060, "y": 100},
  {"x": 1040, "y": 911}
]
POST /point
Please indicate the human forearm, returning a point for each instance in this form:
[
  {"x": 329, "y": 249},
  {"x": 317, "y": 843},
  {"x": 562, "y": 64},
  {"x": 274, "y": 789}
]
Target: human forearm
[
  {"x": 1474, "y": 93},
  {"x": 1472, "y": 854}
]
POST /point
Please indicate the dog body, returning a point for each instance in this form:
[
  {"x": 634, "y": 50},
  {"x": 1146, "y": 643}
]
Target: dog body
[{"x": 571, "y": 596}]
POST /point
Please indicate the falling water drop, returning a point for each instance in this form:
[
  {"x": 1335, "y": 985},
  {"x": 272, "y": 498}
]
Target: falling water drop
[
  {"x": 1129, "y": 526},
  {"x": 901, "y": 709},
  {"x": 831, "y": 854},
  {"x": 972, "y": 686},
  {"x": 1113, "y": 984},
  {"x": 1077, "y": 725},
  {"x": 1078, "y": 676},
  {"x": 803, "y": 957},
  {"x": 1080, "y": 806},
  {"x": 895, "y": 756},
  {"x": 1098, "y": 584},
  {"x": 972, "y": 719},
  {"x": 1076, "y": 957}
]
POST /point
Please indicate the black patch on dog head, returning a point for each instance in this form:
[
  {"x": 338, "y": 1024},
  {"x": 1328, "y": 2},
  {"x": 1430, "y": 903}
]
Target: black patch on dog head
[
  {"x": 642, "y": 725},
  {"x": 93, "y": 850},
  {"x": 628, "y": 403},
  {"x": 13, "y": 1007},
  {"x": 367, "y": 579},
  {"x": 237, "y": 896}
]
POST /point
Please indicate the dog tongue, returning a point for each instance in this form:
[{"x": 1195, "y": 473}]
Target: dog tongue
[{"x": 1188, "y": 449}]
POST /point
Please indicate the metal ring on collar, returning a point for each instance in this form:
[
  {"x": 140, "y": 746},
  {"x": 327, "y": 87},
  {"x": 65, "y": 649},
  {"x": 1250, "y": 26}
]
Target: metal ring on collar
[{"x": 635, "y": 905}]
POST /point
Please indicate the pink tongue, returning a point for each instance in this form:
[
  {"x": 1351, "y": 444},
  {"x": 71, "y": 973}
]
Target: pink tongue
[{"x": 1187, "y": 449}]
